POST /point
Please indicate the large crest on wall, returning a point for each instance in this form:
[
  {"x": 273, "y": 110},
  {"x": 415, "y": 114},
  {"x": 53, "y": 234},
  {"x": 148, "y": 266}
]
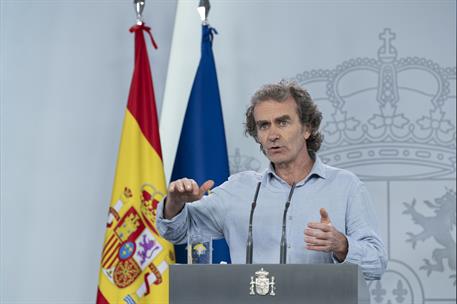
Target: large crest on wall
[{"x": 392, "y": 121}]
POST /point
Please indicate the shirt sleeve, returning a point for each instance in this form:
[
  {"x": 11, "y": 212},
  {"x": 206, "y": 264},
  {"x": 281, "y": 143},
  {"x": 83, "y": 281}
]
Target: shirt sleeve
[
  {"x": 203, "y": 217},
  {"x": 366, "y": 248}
]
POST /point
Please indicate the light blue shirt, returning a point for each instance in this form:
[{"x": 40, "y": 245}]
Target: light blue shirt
[{"x": 225, "y": 213}]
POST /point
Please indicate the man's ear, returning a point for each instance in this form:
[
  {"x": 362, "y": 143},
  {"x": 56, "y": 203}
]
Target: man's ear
[{"x": 307, "y": 132}]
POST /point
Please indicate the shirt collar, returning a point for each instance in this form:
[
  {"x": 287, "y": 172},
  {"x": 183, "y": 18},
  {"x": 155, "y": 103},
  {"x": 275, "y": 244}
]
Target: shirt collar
[{"x": 318, "y": 170}]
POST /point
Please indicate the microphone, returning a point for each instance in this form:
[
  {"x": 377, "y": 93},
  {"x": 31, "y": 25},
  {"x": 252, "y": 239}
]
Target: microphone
[
  {"x": 249, "y": 241},
  {"x": 283, "y": 249}
]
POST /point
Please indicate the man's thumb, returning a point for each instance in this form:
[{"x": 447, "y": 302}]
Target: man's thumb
[
  {"x": 324, "y": 216},
  {"x": 206, "y": 186}
]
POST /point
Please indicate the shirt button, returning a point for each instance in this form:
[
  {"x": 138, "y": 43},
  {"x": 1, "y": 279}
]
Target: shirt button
[
  {"x": 290, "y": 217},
  {"x": 288, "y": 246}
]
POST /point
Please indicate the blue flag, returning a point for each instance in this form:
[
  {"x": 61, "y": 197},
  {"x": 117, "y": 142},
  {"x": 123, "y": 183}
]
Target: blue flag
[{"x": 202, "y": 150}]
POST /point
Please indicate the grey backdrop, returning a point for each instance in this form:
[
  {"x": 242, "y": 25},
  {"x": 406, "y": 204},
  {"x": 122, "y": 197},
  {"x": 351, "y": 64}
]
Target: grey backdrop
[{"x": 383, "y": 73}]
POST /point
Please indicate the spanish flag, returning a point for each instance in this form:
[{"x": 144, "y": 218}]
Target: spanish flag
[{"x": 135, "y": 259}]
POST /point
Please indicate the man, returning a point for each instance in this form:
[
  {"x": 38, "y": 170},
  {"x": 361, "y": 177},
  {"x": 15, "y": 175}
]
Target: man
[{"x": 331, "y": 219}]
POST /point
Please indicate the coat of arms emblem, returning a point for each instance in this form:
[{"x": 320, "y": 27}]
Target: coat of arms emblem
[{"x": 262, "y": 285}]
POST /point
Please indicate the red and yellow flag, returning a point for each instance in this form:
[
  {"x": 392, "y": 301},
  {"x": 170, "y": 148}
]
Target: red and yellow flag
[{"x": 135, "y": 259}]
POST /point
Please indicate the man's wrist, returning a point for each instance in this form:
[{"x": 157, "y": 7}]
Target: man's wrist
[
  {"x": 342, "y": 252},
  {"x": 170, "y": 209}
]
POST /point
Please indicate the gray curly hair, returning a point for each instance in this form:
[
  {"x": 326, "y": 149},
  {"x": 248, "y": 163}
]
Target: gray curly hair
[{"x": 307, "y": 111}]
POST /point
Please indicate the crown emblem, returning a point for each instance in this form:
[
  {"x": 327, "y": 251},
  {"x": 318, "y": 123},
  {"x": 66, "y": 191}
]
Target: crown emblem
[{"x": 411, "y": 105}]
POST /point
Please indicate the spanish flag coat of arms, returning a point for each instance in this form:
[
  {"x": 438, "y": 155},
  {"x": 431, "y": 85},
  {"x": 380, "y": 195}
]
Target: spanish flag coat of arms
[{"x": 135, "y": 259}]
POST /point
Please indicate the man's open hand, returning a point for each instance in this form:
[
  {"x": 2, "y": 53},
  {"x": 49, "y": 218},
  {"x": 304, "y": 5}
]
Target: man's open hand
[{"x": 323, "y": 236}]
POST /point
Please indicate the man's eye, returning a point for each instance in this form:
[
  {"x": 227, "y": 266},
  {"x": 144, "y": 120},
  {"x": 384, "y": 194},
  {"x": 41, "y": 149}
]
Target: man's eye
[
  {"x": 283, "y": 123},
  {"x": 263, "y": 126}
]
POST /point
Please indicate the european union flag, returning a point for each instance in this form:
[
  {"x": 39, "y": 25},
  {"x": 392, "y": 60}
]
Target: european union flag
[{"x": 202, "y": 150}]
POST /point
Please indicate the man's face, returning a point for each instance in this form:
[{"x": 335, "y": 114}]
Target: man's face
[{"x": 280, "y": 131}]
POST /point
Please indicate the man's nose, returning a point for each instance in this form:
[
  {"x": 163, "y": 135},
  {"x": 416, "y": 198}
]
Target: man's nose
[{"x": 273, "y": 134}]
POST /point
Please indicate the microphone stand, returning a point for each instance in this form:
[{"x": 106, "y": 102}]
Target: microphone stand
[
  {"x": 249, "y": 243},
  {"x": 283, "y": 248}
]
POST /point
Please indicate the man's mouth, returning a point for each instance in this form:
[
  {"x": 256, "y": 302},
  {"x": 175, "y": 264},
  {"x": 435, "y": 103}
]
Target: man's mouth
[{"x": 275, "y": 149}]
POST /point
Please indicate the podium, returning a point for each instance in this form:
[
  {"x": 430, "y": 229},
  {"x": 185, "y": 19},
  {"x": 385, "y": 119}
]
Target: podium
[{"x": 268, "y": 283}]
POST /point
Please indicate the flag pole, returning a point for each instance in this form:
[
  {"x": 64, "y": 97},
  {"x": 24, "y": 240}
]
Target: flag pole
[
  {"x": 203, "y": 10},
  {"x": 139, "y": 6}
]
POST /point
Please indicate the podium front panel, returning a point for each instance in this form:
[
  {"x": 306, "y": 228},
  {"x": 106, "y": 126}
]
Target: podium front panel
[{"x": 293, "y": 283}]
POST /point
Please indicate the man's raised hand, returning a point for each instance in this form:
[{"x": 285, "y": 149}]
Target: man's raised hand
[{"x": 183, "y": 191}]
